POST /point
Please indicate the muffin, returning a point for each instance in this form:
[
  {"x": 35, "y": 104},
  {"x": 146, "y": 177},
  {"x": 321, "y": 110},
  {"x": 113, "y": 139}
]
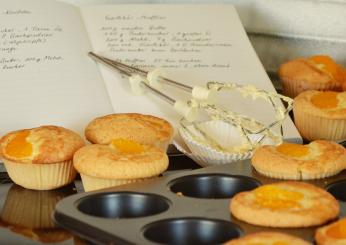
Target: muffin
[
  {"x": 122, "y": 161},
  {"x": 268, "y": 238},
  {"x": 29, "y": 213},
  {"x": 144, "y": 129},
  {"x": 321, "y": 115},
  {"x": 40, "y": 158},
  {"x": 318, "y": 72},
  {"x": 334, "y": 233},
  {"x": 318, "y": 159},
  {"x": 285, "y": 204}
]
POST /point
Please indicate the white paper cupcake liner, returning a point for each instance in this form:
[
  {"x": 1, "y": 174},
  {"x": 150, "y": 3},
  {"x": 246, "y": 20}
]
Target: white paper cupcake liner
[
  {"x": 225, "y": 135},
  {"x": 41, "y": 176},
  {"x": 293, "y": 88},
  {"x": 313, "y": 127},
  {"x": 298, "y": 175},
  {"x": 201, "y": 160}
]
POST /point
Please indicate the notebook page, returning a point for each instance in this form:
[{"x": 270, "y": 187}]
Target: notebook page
[
  {"x": 45, "y": 74},
  {"x": 193, "y": 43}
]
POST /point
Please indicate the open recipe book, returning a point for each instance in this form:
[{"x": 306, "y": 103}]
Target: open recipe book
[{"x": 46, "y": 76}]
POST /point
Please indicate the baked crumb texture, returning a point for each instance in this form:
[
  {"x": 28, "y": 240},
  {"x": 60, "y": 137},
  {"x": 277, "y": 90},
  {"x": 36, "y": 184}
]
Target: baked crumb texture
[{"x": 285, "y": 204}]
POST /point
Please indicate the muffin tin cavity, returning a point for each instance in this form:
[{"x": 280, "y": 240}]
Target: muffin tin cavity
[
  {"x": 212, "y": 185},
  {"x": 191, "y": 231},
  {"x": 122, "y": 205},
  {"x": 337, "y": 189}
]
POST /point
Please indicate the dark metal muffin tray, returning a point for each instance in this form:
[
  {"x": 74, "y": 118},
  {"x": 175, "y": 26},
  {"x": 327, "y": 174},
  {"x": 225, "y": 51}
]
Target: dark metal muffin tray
[{"x": 185, "y": 208}]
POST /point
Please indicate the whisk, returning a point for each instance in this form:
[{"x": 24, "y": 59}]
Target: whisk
[{"x": 195, "y": 129}]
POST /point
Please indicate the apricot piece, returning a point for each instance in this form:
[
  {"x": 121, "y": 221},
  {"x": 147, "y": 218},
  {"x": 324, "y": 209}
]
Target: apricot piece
[
  {"x": 325, "y": 63},
  {"x": 325, "y": 100},
  {"x": 126, "y": 146},
  {"x": 337, "y": 230},
  {"x": 19, "y": 147},
  {"x": 274, "y": 197},
  {"x": 293, "y": 150}
]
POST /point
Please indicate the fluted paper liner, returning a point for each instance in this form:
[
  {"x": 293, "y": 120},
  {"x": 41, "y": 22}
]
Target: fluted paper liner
[
  {"x": 225, "y": 135},
  {"x": 302, "y": 175},
  {"x": 41, "y": 176},
  {"x": 293, "y": 88},
  {"x": 313, "y": 127}
]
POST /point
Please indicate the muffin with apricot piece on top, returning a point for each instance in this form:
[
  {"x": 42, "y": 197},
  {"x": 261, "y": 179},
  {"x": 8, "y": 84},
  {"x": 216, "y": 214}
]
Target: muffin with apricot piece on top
[
  {"x": 285, "y": 204},
  {"x": 318, "y": 159},
  {"x": 321, "y": 115},
  {"x": 144, "y": 129},
  {"x": 40, "y": 158},
  {"x": 121, "y": 162},
  {"x": 319, "y": 72}
]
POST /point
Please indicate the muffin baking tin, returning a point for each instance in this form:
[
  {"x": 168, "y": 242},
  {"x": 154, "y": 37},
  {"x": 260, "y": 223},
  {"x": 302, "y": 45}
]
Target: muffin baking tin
[{"x": 191, "y": 207}]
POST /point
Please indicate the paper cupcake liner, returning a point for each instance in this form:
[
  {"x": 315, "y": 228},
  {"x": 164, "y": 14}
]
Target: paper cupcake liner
[
  {"x": 225, "y": 135},
  {"x": 204, "y": 161},
  {"x": 293, "y": 88},
  {"x": 41, "y": 176},
  {"x": 29, "y": 208},
  {"x": 315, "y": 128},
  {"x": 91, "y": 183},
  {"x": 298, "y": 175}
]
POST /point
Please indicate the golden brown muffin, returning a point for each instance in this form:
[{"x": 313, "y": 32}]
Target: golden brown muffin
[
  {"x": 268, "y": 238},
  {"x": 144, "y": 129},
  {"x": 285, "y": 204},
  {"x": 334, "y": 233},
  {"x": 318, "y": 159},
  {"x": 40, "y": 158},
  {"x": 318, "y": 72},
  {"x": 123, "y": 161},
  {"x": 321, "y": 115}
]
